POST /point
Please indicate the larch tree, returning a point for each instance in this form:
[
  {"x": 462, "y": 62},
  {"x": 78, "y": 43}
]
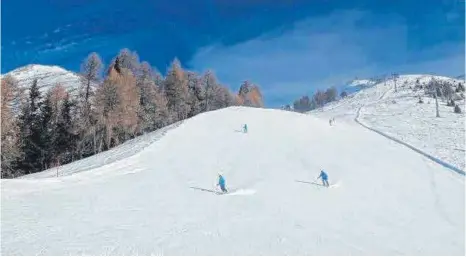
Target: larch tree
[
  {"x": 107, "y": 102},
  {"x": 118, "y": 106},
  {"x": 228, "y": 97},
  {"x": 176, "y": 91},
  {"x": 129, "y": 105},
  {"x": 153, "y": 111},
  {"x": 250, "y": 95},
  {"x": 162, "y": 114},
  {"x": 212, "y": 91},
  {"x": 147, "y": 89},
  {"x": 320, "y": 98},
  {"x": 127, "y": 59},
  {"x": 9, "y": 128},
  {"x": 91, "y": 70}
]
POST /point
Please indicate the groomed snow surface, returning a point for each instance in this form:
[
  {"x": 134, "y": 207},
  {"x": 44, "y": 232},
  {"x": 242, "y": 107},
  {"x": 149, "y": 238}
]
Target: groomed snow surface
[
  {"x": 398, "y": 114},
  {"x": 389, "y": 200}
]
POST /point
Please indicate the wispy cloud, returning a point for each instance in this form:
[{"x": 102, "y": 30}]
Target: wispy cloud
[
  {"x": 59, "y": 47},
  {"x": 321, "y": 52}
]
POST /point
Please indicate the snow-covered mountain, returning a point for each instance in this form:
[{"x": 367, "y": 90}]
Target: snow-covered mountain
[
  {"x": 357, "y": 85},
  {"x": 361, "y": 82},
  {"x": 156, "y": 194},
  {"x": 400, "y": 115},
  {"x": 47, "y": 76}
]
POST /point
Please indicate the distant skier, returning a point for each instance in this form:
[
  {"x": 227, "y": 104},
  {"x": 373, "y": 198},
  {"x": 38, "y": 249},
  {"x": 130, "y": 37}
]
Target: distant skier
[
  {"x": 324, "y": 177},
  {"x": 245, "y": 128},
  {"x": 330, "y": 122},
  {"x": 221, "y": 183}
]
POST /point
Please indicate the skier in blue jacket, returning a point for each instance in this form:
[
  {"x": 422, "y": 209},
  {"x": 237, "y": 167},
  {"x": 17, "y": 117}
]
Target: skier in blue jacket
[
  {"x": 221, "y": 183},
  {"x": 245, "y": 128},
  {"x": 324, "y": 177}
]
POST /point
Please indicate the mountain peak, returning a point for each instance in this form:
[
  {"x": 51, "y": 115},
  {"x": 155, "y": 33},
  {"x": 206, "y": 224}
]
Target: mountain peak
[{"x": 47, "y": 76}]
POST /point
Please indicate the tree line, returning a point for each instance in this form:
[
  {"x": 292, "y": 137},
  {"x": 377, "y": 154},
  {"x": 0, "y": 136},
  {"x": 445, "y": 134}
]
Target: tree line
[
  {"x": 128, "y": 99},
  {"x": 444, "y": 90},
  {"x": 317, "y": 100}
]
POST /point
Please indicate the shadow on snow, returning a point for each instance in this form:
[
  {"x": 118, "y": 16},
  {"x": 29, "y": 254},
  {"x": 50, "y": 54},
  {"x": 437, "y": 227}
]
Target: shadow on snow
[
  {"x": 205, "y": 190},
  {"x": 307, "y": 182}
]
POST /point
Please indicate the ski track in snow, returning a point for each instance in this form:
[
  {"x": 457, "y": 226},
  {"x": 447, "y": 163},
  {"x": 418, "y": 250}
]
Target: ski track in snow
[{"x": 391, "y": 200}]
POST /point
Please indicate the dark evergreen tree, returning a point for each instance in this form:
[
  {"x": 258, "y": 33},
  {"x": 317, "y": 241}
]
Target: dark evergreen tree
[
  {"x": 30, "y": 131},
  {"x": 46, "y": 128},
  {"x": 331, "y": 95},
  {"x": 64, "y": 140},
  {"x": 319, "y": 98},
  {"x": 304, "y": 104},
  {"x": 460, "y": 87}
]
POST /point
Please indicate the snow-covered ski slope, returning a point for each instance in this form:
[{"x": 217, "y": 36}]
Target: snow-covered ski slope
[
  {"x": 390, "y": 199},
  {"x": 118, "y": 153},
  {"x": 399, "y": 115}
]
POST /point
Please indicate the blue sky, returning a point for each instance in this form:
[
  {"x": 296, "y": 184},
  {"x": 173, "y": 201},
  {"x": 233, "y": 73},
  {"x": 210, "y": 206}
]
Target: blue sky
[{"x": 289, "y": 48}]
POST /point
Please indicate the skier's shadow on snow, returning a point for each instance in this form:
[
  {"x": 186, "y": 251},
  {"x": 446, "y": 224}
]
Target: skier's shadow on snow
[
  {"x": 307, "y": 182},
  {"x": 205, "y": 190},
  {"x": 239, "y": 131}
]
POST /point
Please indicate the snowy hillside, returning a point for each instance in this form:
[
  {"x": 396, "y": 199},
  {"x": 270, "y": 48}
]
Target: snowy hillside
[
  {"x": 357, "y": 85},
  {"x": 388, "y": 199},
  {"x": 361, "y": 82},
  {"x": 47, "y": 76},
  {"x": 399, "y": 114}
]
